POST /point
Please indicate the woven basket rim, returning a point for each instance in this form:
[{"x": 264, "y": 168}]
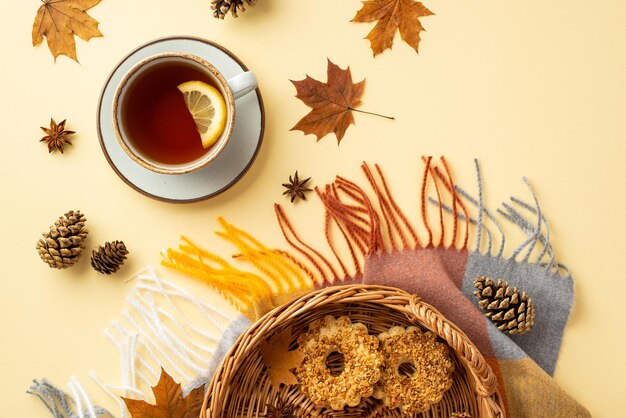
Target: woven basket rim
[{"x": 483, "y": 380}]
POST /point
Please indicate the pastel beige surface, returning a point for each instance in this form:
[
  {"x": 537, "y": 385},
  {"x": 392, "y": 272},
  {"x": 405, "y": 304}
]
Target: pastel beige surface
[{"x": 531, "y": 88}]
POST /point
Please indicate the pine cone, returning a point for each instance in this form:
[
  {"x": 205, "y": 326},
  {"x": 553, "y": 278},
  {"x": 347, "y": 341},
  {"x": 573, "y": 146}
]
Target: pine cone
[
  {"x": 511, "y": 312},
  {"x": 62, "y": 246},
  {"x": 460, "y": 415},
  {"x": 221, "y": 7},
  {"x": 109, "y": 258}
]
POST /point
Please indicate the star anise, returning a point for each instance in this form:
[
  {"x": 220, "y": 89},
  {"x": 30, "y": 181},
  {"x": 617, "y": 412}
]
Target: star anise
[
  {"x": 296, "y": 187},
  {"x": 56, "y": 136},
  {"x": 281, "y": 410}
]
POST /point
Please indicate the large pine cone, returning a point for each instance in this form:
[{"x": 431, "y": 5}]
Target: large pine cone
[
  {"x": 222, "y": 7},
  {"x": 109, "y": 258},
  {"x": 512, "y": 312},
  {"x": 62, "y": 246}
]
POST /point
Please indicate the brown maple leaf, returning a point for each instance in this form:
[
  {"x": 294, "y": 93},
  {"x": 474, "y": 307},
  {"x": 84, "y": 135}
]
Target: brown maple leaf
[
  {"x": 60, "y": 20},
  {"x": 393, "y": 15},
  {"x": 332, "y": 103},
  {"x": 279, "y": 360},
  {"x": 170, "y": 402}
]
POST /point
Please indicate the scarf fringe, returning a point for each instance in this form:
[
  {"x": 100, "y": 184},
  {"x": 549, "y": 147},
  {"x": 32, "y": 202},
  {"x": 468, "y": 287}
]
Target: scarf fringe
[
  {"x": 62, "y": 405},
  {"x": 365, "y": 224},
  {"x": 281, "y": 275},
  {"x": 155, "y": 330}
]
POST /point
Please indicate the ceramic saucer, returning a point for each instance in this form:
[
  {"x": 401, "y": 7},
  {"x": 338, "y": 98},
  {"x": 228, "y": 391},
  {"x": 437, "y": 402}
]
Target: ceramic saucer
[{"x": 232, "y": 163}]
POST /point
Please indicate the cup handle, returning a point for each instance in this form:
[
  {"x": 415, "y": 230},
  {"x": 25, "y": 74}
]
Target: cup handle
[{"x": 242, "y": 84}]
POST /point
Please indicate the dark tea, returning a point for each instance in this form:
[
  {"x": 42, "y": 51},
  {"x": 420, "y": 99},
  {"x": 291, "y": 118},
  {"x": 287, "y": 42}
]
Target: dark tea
[{"x": 154, "y": 116}]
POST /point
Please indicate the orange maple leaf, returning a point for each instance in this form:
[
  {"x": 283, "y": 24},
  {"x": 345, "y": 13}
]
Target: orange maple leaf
[
  {"x": 279, "y": 360},
  {"x": 60, "y": 20},
  {"x": 332, "y": 102},
  {"x": 169, "y": 401},
  {"x": 393, "y": 15}
]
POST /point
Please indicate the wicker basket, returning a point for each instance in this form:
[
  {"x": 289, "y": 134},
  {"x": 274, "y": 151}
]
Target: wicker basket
[{"x": 241, "y": 386}]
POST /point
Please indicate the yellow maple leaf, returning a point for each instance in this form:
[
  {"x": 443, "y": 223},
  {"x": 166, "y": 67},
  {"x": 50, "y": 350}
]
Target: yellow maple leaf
[
  {"x": 59, "y": 20},
  {"x": 393, "y": 16},
  {"x": 279, "y": 360}
]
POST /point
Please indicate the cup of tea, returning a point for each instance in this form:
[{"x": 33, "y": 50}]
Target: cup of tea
[{"x": 155, "y": 112}]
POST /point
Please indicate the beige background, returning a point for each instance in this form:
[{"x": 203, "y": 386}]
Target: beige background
[{"x": 532, "y": 88}]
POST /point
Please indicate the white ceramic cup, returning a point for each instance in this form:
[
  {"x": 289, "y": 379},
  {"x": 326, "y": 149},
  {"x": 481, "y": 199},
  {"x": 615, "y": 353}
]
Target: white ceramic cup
[{"x": 231, "y": 90}]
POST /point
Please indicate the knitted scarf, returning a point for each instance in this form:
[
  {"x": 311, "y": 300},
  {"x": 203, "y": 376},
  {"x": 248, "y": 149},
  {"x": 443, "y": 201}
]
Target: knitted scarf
[
  {"x": 370, "y": 240},
  {"x": 384, "y": 248}
]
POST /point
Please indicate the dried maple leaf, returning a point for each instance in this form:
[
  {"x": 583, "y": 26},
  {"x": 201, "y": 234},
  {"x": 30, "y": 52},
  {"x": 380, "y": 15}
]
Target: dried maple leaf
[
  {"x": 60, "y": 20},
  {"x": 279, "y": 360},
  {"x": 170, "y": 402},
  {"x": 393, "y": 15},
  {"x": 332, "y": 103}
]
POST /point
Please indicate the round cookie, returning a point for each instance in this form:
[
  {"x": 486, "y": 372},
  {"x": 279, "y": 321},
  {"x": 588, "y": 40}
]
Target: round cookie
[
  {"x": 428, "y": 367},
  {"x": 362, "y": 362}
]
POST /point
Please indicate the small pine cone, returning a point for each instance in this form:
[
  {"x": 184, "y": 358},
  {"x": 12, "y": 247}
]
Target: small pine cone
[
  {"x": 109, "y": 258},
  {"x": 62, "y": 245},
  {"x": 222, "y": 7},
  {"x": 460, "y": 415},
  {"x": 512, "y": 312}
]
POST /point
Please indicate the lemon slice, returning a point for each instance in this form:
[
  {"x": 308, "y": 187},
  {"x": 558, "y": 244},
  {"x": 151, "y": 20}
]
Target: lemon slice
[{"x": 208, "y": 109}]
